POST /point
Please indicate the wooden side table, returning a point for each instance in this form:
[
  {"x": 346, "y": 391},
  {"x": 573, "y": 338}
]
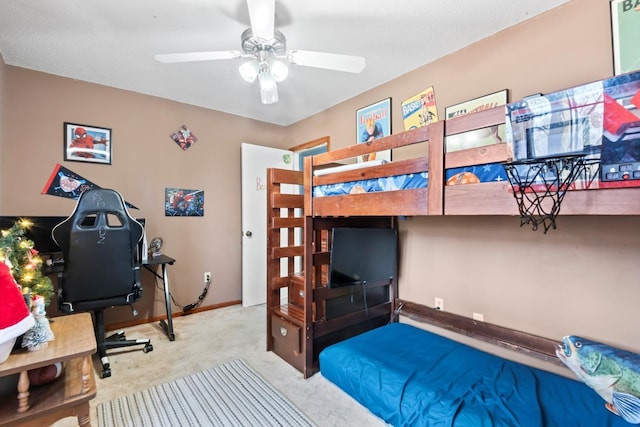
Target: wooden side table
[{"x": 68, "y": 395}]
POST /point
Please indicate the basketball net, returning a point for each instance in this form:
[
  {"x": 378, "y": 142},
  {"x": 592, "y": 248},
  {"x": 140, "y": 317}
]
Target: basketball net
[{"x": 539, "y": 185}]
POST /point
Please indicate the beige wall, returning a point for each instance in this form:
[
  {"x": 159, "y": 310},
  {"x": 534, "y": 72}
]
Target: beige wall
[
  {"x": 579, "y": 279},
  {"x": 145, "y": 161}
]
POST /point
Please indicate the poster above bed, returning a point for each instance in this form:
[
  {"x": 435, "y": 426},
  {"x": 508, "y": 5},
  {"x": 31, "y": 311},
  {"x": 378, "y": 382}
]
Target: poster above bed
[
  {"x": 374, "y": 122},
  {"x": 598, "y": 120}
]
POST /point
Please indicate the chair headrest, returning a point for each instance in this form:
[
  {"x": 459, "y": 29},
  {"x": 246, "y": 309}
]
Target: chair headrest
[{"x": 100, "y": 200}]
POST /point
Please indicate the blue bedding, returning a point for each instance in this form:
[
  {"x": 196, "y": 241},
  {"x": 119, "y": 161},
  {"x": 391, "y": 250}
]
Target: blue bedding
[
  {"x": 387, "y": 183},
  {"x": 411, "y": 377},
  {"x": 488, "y": 172}
]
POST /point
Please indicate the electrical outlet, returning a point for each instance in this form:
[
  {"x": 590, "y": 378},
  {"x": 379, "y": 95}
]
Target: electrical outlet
[
  {"x": 478, "y": 316},
  {"x": 207, "y": 277},
  {"x": 439, "y": 304}
]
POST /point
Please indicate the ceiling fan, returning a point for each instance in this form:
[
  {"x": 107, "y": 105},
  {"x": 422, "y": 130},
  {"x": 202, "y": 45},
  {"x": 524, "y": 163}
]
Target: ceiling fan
[{"x": 267, "y": 49}]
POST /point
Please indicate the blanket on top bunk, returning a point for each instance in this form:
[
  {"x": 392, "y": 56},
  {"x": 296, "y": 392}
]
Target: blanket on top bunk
[
  {"x": 385, "y": 183},
  {"x": 411, "y": 377}
]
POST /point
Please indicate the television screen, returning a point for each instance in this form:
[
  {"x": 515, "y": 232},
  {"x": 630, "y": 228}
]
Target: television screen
[
  {"x": 362, "y": 255},
  {"x": 39, "y": 233}
]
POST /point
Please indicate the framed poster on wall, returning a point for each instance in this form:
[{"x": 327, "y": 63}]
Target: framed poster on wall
[
  {"x": 420, "y": 110},
  {"x": 84, "y": 143},
  {"x": 374, "y": 122},
  {"x": 478, "y": 137},
  {"x": 625, "y": 28}
]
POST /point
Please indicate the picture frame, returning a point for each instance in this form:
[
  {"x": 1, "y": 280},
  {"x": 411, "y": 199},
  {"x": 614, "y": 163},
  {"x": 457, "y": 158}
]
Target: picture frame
[
  {"x": 625, "y": 32},
  {"x": 420, "y": 110},
  {"x": 87, "y": 143},
  {"x": 184, "y": 137},
  {"x": 478, "y": 137},
  {"x": 374, "y": 122},
  {"x": 183, "y": 202},
  {"x": 474, "y": 105}
]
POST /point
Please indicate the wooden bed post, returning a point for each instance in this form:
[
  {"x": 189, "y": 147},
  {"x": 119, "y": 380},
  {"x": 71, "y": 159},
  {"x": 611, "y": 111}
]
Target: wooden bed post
[
  {"x": 435, "y": 190},
  {"x": 307, "y": 348},
  {"x": 308, "y": 181},
  {"x": 273, "y": 265}
]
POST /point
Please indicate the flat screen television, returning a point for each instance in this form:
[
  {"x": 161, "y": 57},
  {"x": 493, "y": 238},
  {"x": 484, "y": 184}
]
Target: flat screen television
[
  {"x": 362, "y": 255},
  {"x": 39, "y": 233}
]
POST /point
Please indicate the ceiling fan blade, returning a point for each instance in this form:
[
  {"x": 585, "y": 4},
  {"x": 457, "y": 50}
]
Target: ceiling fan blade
[
  {"x": 171, "y": 58},
  {"x": 262, "y": 15},
  {"x": 329, "y": 61}
]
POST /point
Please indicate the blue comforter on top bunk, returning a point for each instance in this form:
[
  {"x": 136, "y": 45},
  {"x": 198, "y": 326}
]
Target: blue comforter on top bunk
[
  {"x": 385, "y": 183},
  {"x": 411, "y": 377}
]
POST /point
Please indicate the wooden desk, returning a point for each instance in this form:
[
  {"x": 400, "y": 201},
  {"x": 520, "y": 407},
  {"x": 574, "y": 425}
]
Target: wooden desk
[{"x": 68, "y": 395}]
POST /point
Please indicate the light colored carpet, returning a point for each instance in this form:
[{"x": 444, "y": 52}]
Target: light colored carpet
[
  {"x": 211, "y": 338},
  {"x": 231, "y": 394}
]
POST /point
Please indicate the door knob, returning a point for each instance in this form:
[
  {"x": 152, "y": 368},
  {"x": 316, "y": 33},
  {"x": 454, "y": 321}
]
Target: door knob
[{"x": 248, "y": 234}]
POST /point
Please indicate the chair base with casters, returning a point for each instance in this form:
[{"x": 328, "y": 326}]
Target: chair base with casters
[
  {"x": 116, "y": 340},
  {"x": 105, "y": 343}
]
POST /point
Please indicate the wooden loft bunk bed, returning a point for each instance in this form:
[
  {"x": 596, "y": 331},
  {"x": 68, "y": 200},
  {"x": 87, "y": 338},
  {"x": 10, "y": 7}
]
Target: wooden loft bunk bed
[
  {"x": 299, "y": 325},
  {"x": 297, "y": 329},
  {"x": 487, "y": 198}
]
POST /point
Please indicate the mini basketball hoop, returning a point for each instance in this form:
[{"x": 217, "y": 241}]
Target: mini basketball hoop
[{"x": 540, "y": 184}]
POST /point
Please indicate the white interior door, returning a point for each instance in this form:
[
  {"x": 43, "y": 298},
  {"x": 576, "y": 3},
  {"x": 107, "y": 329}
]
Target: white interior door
[{"x": 255, "y": 161}]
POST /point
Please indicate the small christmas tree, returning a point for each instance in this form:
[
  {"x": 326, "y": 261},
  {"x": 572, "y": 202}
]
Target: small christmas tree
[{"x": 17, "y": 252}]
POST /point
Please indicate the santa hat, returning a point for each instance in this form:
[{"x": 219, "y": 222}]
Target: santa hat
[{"x": 15, "y": 318}]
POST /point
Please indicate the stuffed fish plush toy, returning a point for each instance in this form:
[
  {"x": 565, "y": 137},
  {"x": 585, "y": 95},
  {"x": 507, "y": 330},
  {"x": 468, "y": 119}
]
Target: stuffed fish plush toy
[{"x": 613, "y": 373}]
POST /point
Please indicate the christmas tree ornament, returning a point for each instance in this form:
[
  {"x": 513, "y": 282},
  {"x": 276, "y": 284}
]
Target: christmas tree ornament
[{"x": 40, "y": 334}]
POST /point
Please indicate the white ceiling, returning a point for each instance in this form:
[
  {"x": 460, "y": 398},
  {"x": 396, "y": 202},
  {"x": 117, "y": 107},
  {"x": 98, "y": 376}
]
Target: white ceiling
[{"x": 113, "y": 43}]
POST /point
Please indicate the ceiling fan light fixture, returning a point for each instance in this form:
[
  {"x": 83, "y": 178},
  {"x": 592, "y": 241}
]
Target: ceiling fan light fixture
[
  {"x": 269, "y": 95},
  {"x": 268, "y": 86},
  {"x": 266, "y": 49},
  {"x": 249, "y": 70},
  {"x": 279, "y": 70}
]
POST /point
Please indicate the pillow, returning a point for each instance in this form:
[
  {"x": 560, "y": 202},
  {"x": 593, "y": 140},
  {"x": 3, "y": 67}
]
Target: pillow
[{"x": 613, "y": 373}]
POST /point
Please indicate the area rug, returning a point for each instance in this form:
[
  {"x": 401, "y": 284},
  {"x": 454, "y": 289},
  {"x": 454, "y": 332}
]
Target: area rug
[{"x": 232, "y": 394}]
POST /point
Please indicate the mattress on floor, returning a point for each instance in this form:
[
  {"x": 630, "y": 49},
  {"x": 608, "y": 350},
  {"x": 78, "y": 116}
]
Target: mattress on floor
[{"x": 411, "y": 377}]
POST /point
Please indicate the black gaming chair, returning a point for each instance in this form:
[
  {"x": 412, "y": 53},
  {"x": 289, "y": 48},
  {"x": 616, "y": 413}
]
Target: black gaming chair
[{"x": 98, "y": 243}]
